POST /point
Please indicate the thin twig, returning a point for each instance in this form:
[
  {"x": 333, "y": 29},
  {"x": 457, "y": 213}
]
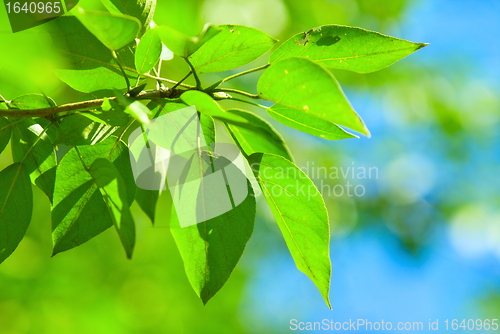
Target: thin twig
[
  {"x": 165, "y": 80},
  {"x": 180, "y": 82},
  {"x": 230, "y": 90},
  {"x": 198, "y": 82},
  {"x": 249, "y": 102},
  {"x": 263, "y": 67},
  {"x": 118, "y": 61},
  {"x": 44, "y": 112},
  {"x": 159, "y": 83}
]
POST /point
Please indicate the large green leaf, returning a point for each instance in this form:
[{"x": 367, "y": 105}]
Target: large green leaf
[
  {"x": 143, "y": 10},
  {"x": 148, "y": 51},
  {"x": 5, "y": 133},
  {"x": 113, "y": 30},
  {"x": 211, "y": 249},
  {"x": 89, "y": 64},
  {"x": 114, "y": 192},
  {"x": 258, "y": 136},
  {"x": 300, "y": 213},
  {"x": 16, "y": 207},
  {"x": 182, "y": 45},
  {"x": 346, "y": 48},
  {"x": 206, "y": 105},
  {"x": 233, "y": 47},
  {"x": 32, "y": 101},
  {"x": 79, "y": 211},
  {"x": 32, "y": 146},
  {"x": 304, "y": 87},
  {"x": 215, "y": 211},
  {"x": 301, "y": 121}
]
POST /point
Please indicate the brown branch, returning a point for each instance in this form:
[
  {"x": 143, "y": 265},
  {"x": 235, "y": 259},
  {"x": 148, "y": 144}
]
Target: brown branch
[{"x": 46, "y": 112}]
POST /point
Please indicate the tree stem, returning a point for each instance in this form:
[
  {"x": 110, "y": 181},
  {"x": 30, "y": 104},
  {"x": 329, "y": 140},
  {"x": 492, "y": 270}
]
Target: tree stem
[
  {"x": 198, "y": 82},
  {"x": 245, "y": 72},
  {"x": 230, "y": 90},
  {"x": 115, "y": 55},
  {"x": 180, "y": 82},
  {"x": 44, "y": 112}
]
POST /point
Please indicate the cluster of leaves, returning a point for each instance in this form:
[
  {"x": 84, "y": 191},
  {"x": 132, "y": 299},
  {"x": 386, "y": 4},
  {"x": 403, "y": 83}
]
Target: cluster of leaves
[{"x": 76, "y": 154}]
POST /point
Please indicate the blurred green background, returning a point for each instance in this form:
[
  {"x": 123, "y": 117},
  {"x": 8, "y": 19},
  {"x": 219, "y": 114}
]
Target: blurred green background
[{"x": 423, "y": 242}]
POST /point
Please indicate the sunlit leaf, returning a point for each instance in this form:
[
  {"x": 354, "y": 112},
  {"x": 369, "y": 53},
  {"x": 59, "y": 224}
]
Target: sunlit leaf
[
  {"x": 32, "y": 146},
  {"x": 346, "y": 48},
  {"x": 206, "y": 105},
  {"x": 208, "y": 127},
  {"x": 16, "y": 206},
  {"x": 148, "y": 51},
  {"x": 301, "y": 121},
  {"x": 113, "y": 30},
  {"x": 143, "y": 10},
  {"x": 32, "y": 101},
  {"x": 89, "y": 64},
  {"x": 300, "y": 213},
  {"x": 258, "y": 136},
  {"x": 307, "y": 88},
  {"x": 182, "y": 45},
  {"x": 138, "y": 111},
  {"x": 233, "y": 47}
]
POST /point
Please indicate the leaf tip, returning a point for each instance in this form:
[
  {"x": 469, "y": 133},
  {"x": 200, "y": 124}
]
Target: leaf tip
[
  {"x": 205, "y": 299},
  {"x": 422, "y": 45}
]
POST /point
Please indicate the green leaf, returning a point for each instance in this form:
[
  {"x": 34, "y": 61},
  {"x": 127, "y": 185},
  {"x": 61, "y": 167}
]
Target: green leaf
[
  {"x": 208, "y": 127},
  {"x": 81, "y": 130},
  {"x": 211, "y": 249},
  {"x": 346, "y": 48},
  {"x": 5, "y": 133},
  {"x": 46, "y": 182},
  {"x": 301, "y": 121},
  {"x": 32, "y": 146},
  {"x": 138, "y": 111},
  {"x": 258, "y": 136},
  {"x": 113, "y": 190},
  {"x": 304, "y": 87},
  {"x": 147, "y": 200},
  {"x": 79, "y": 211},
  {"x": 174, "y": 40},
  {"x": 148, "y": 51},
  {"x": 300, "y": 213},
  {"x": 233, "y": 47},
  {"x": 140, "y": 9},
  {"x": 32, "y": 101},
  {"x": 16, "y": 207},
  {"x": 160, "y": 107},
  {"x": 182, "y": 45},
  {"x": 113, "y": 30},
  {"x": 89, "y": 65},
  {"x": 137, "y": 89},
  {"x": 206, "y": 105}
]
